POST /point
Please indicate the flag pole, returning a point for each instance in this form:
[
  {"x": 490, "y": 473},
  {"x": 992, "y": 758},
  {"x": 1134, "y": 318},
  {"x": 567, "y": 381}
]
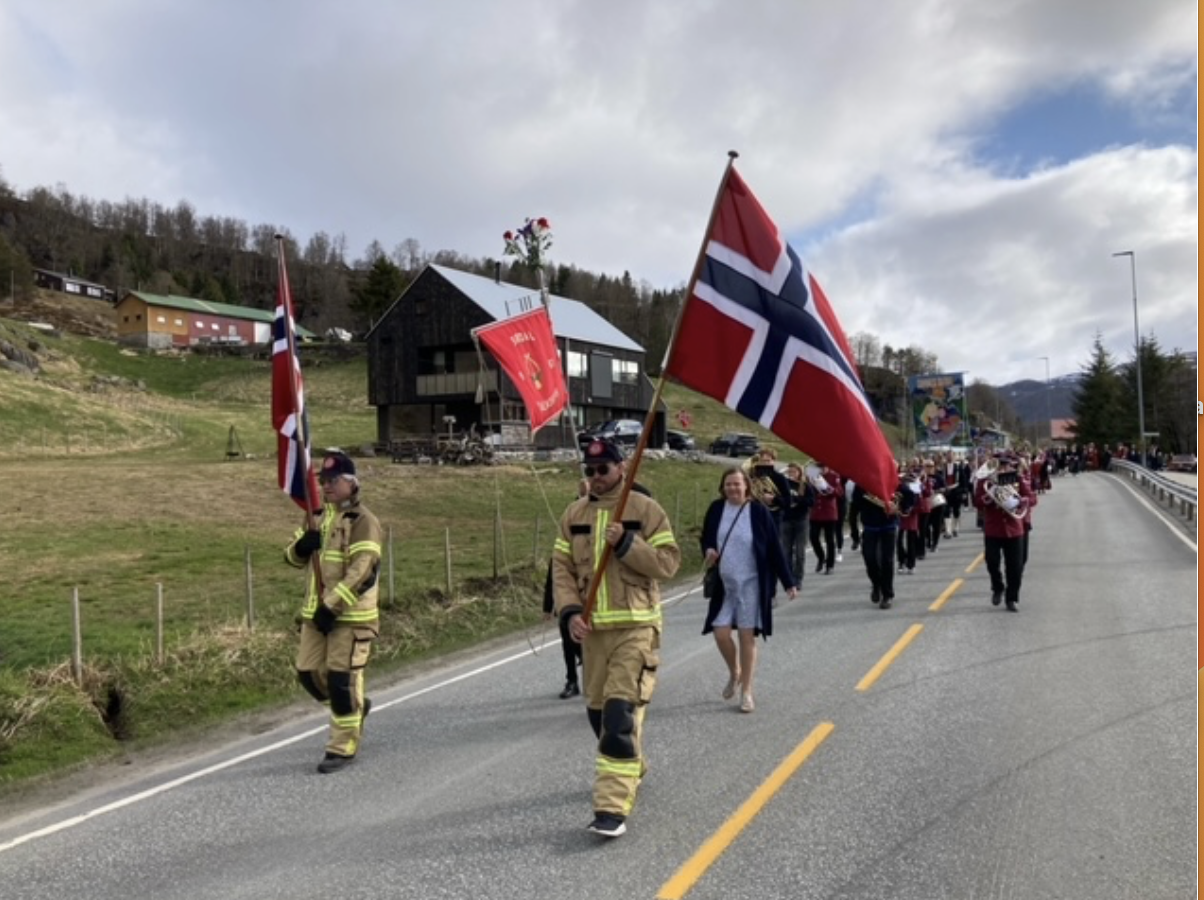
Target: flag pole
[
  {"x": 286, "y": 298},
  {"x": 650, "y": 418}
]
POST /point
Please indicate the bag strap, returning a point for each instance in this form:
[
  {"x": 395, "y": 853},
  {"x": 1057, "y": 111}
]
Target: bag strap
[{"x": 723, "y": 546}]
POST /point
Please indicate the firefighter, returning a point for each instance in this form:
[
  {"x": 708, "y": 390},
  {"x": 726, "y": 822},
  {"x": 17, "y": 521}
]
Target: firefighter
[
  {"x": 621, "y": 640},
  {"x": 339, "y": 619}
]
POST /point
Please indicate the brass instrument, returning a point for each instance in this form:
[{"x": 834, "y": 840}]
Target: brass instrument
[
  {"x": 1005, "y": 496},
  {"x": 815, "y": 475}
]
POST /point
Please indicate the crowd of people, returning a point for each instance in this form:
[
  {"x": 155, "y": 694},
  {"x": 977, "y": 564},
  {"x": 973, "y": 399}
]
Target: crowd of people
[{"x": 616, "y": 545}]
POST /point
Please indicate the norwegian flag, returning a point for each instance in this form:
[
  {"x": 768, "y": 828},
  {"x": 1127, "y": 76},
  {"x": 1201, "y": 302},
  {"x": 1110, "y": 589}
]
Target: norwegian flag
[
  {"x": 294, "y": 473},
  {"x": 758, "y": 334}
]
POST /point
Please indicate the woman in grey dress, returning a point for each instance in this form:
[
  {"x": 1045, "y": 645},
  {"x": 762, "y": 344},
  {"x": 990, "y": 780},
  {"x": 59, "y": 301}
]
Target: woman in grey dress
[{"x": 740, "y": 537}]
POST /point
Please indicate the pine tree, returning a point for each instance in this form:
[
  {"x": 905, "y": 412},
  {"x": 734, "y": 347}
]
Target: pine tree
[{"x": 1098, "y": 400}]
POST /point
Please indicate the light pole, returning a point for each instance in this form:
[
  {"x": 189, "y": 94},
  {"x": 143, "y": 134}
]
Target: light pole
[
  {"x": 1137, "y": 351},
  {"x": 1048, "y": 412}
]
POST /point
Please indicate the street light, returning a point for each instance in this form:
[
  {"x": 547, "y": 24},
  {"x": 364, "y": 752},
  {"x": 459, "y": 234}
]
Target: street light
[
  {"x": 1137, "y": 348},
  {"x": 1048, "y": 411}
]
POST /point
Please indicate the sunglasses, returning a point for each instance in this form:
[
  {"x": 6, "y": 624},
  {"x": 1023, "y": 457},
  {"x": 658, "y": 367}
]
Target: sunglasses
[{"x": 602, "y": 470}]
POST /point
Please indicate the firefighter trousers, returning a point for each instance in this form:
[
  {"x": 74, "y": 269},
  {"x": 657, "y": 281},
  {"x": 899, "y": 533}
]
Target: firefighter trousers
[
  {"x": 619, "y": 673},
  {"x": 331, "y": 668}
]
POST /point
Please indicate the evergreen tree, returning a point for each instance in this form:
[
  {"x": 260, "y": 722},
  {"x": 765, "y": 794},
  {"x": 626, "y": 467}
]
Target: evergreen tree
[
  {"x": 376, "y": 293},
  {"x": 1098, "y": 401}
]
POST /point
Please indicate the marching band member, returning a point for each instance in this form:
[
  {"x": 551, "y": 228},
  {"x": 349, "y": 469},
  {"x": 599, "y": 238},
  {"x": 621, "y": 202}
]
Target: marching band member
[
  {"x": 879, "y": 522},
  {"x": 909, "y": 523},
  {"x": 825, "y": 516},
  {"x": 1003, "y": 499}
]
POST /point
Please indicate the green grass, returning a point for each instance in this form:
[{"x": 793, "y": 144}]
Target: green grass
[{"x": 116, "y": 490}]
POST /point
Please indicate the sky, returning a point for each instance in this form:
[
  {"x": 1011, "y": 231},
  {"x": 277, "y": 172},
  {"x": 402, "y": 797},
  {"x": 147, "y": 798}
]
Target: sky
[{"x": 957, "y": 174}]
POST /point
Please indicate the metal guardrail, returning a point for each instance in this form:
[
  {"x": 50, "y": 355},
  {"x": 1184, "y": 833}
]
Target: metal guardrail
[{"x": 1165, "y": 490}]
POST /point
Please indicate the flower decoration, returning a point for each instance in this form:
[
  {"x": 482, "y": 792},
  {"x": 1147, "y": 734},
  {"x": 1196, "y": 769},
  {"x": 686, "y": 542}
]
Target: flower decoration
[{"x": 530, "y": 243}]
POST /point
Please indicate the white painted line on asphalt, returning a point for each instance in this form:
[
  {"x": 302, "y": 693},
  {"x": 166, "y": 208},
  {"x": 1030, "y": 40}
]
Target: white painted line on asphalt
[
  {"x": 270, "y": 748},
  {"x": 1161, "y": 515}
]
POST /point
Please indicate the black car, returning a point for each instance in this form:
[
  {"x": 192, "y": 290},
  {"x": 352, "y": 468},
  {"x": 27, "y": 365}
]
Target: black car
[
  {"x": 679, "y": 440},
  {"x": 625, "y": 432},
  {"x": 735, "y": 444}
]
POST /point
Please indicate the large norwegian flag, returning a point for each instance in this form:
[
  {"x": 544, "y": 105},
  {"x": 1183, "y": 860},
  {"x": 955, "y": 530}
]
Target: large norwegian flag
[
  {"x": 525, "y": 348},
  {"x": 294, "y": 472},
  {"x": 758, "y": 334}
]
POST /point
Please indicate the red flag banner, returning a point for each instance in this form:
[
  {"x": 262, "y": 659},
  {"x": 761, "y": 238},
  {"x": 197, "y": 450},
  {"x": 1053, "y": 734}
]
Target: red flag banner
[
  {"x": 758, "y": 334},
  {"x": 525, "y": 348},
  {"x": 294, "y": 473}
]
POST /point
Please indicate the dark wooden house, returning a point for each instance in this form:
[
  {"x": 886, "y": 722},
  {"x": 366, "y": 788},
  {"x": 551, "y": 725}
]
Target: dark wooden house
[
  {"x": 424, "y": 369},
  {"x": 71, "y": 284}
]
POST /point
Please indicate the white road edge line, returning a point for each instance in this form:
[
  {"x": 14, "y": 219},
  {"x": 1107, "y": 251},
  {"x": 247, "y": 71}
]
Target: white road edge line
[
  {"x": 270, "y": 748},
  {"x": 1161, "y": 515}
]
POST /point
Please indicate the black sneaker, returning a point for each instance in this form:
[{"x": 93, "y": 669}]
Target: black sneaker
[
  {"x": 875, "y": 595},
  {"x": 885, "y": 604},
  {"x": 608, "y": 825},
  {"x": 996, "y": 597},
  {"x": 570, "y": 690},
  {"x": 333, "y": 762},
  {"x": 1011, "y": 604}
]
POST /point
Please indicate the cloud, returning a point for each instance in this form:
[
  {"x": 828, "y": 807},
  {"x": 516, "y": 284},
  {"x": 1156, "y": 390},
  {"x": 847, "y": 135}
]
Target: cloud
[{"x": 861, "y": 126}]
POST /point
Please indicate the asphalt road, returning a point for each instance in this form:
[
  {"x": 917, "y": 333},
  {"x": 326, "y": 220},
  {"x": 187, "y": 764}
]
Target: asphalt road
[{"x": 1045, "y": 754}]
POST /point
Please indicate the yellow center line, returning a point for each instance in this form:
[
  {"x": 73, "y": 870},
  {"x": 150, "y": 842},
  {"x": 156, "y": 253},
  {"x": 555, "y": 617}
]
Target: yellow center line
[
  {"x": 974, "y": 563},
  {"x": 696, "y": 866},
  {"x": 949, "y": 592},
  {"x": 879, "y": 667}
]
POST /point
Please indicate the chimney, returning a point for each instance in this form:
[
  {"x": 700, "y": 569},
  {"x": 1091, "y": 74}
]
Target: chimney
[{"x": 497, "y": 272}]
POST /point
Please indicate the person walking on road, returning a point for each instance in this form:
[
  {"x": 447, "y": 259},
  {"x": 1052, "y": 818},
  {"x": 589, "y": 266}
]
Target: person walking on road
[
  {"x": 339, "y": 618},
  {"x": 739, "y": 536},
  {"x": 621, "y": 639}
]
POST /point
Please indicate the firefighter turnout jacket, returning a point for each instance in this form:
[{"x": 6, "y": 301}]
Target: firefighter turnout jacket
[
  {"x": 629, "y": 594},
  {"x": 349, "y": 560}
]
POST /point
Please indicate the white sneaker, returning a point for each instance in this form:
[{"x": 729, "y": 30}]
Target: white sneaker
[{"x": 839, "y": 556}]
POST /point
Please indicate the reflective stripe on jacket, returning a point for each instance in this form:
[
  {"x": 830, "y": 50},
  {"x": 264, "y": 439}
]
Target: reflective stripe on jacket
[{"x": 350, "y": 565}]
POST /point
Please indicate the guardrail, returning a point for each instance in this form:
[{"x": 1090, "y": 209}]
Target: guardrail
[{"x": 1165, "y": 490}]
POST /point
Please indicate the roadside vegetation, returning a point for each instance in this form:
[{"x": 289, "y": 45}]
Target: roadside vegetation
[{"x": 115, "y": 469}]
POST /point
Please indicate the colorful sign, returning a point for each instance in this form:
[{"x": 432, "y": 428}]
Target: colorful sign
[{"x": 938, "y": 407}]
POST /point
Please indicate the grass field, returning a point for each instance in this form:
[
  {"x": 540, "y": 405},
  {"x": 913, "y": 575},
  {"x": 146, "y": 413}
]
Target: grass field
[
  {"x": 115, "y": 470},
  {"x": 114, "y": 466}
]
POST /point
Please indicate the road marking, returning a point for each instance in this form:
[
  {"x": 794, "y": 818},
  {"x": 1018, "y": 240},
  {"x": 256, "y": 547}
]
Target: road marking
[
  {"x": 201, "y": 773},
  {"x": 881, "y": 665},
  {"x": 974, "y": 563},
  {"x": 1160, "y": 513},
  {"x": 949, "y": 592},
  {"x": 696, "y": 866}
]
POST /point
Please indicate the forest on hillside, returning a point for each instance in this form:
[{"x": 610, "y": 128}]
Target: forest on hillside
[{"x": 139, "y": 244}]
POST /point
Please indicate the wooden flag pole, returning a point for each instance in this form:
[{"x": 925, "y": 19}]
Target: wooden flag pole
[
  {"x": 650, "y": 418},
  {"x": 286, "y": 296}
]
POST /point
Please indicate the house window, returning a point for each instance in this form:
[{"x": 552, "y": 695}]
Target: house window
[
  {"x": 199, "y": 323},
  {"x": 214, "y": 326},
  {"x": 626, "y": 372},
  {"x": 125, "y": 319},
  {"x": 162, "y": 320},
  {"x": 138, "y": 318},
  {"x": 577, "y": 364},
  {"x": 179, "y": 323}
]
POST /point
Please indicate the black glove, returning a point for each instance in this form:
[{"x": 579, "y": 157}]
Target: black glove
[
  {"x": 308, "y": 544},
  {"x": 324, "y": 618}
]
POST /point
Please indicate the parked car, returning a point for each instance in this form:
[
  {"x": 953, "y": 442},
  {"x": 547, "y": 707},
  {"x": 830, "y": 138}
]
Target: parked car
[
  {"x": 681, "y": 441},
  {"x": 735, "y": 443},
  {"x": 1182, "y": 462},
  {"x": 625, "y": 432}
]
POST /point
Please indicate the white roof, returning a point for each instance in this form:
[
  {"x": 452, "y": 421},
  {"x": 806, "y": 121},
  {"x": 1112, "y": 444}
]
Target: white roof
[{"x": 570, "y": 319}]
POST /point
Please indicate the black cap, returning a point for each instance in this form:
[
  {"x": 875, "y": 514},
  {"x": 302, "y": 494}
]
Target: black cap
[
  {"x": 337, "y": 463},
  {"x": 602, "y": 451}
]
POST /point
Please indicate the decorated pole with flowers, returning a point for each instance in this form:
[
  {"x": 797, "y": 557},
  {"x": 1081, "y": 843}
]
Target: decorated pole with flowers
[{"x": 530, "y": 245}]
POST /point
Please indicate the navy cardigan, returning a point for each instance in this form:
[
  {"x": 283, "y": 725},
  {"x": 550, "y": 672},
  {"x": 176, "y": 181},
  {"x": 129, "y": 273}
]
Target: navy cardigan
[{"x": 771, "y": 562}]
